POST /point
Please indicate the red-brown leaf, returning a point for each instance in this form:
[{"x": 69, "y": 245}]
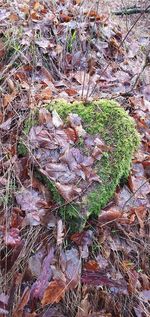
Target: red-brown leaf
[
  {"x": 54, "y": 292},
  {"x": 110, "y": 215},
  {"x": 68, "y": 192}
]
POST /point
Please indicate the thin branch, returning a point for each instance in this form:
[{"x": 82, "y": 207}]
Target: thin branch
[{"x": 128, "y": 11}]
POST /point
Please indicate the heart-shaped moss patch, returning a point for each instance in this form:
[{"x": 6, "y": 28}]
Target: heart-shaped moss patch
[{"x": 100, "y": 119}]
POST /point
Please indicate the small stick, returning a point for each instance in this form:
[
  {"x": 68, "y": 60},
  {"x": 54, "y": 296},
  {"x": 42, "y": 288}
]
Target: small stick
[{"x": 128, "y": 11}]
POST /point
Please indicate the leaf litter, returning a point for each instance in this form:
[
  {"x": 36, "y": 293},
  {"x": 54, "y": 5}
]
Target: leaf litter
[
  {"x": 60, "y": 159},
  {"x": 56, "y": 273}
]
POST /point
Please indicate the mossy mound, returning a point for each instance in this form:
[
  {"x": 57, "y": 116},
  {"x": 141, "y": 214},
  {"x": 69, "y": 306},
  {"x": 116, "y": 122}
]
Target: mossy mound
[{"x": 117, "y": 129}]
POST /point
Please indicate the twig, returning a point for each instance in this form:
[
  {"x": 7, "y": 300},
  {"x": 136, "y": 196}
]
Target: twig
[{"x": 128, "y": 11}]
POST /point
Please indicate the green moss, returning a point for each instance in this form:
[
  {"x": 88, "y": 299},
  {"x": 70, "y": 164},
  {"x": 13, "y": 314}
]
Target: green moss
[
  {"x": 50, "y": 185},
  {"x": 29, "y": 123},
  {"x": 22, "y": 149},
  {"x": 70, "y": 212},
  {"x": 118, "y": 131}
]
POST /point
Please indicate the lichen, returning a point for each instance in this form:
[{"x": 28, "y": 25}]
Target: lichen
[{"x": 118, "y": 130}]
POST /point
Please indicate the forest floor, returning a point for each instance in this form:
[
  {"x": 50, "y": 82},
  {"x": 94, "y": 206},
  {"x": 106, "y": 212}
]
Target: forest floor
[{"x": 76, "y": 51}]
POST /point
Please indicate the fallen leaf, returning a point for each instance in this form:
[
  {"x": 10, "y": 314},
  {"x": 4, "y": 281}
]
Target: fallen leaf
[
  {"x": 71, "y": 134},
  {"x": 46, "y": 94},
  {"x": 83, "y": 238},
  {"x": 35, "y": 16},
  {"x": 34, "y": 205},
  {"x": 140, "y": 212},
  {"x": 84, "y": 307},
  {"x": 91, "y": 265},
  {"x": 12, "y": 237},
  {"x": 44, "y": 116},
  {"x": 9, "y": 98},
  {"x": 13, "y": 17},
  {"x": 71, "y": 92},
  {"x": 93, "y": 15},
  {"x": 57, "y": 121},
  {"x": 65, "y": 18},
  {"x": 43, "y": 74},
  {"x": 102, "y": 262},
  {"x": 71, "y": 267},
  {"x": 35, "y": 263},
  {"x": 39, "y": 286},
  {"x": 98, "y": 278},
  {"x": 68, "y": 192},
  {"x": 6, "y": 125},
  {"x": 53, "y": 293},
  {"x": 145, "y": 295},
  {"x": 81, "y": 77},
  {"x": 108, "y": 216}
]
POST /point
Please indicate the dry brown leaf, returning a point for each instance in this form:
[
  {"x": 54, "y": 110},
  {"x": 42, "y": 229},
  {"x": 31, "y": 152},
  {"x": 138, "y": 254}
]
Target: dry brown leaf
[
  {"x": 54, "y": 292},
  {"x": 77, "y": 1},
  {"x": 91, "y": 265},
  {"x": 35, "y": 16},
  {"x": 44, "y": 116},
  {"x": 13, "y": 17},
  {"x": 9, "y": 98},
  {"x": 81, "y": 77},
  {"x": 36, "y": 5},
  {"x": 93, "y": 15},
  {"x": 71, "y": 134},
  {"x": 71, "y": 267},
  {"x": 110, "y": 215},
  {"x": 68, "y": 192},
  {"x": 84, "y": 307},
  {"x": 71, "y": 92},
  {"x": 46, "y": 93},
  {"x": 65, "y": 17}
]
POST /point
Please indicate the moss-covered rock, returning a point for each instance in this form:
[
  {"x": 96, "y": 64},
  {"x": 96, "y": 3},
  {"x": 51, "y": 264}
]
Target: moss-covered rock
[{"x": 117, "y": 129}]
